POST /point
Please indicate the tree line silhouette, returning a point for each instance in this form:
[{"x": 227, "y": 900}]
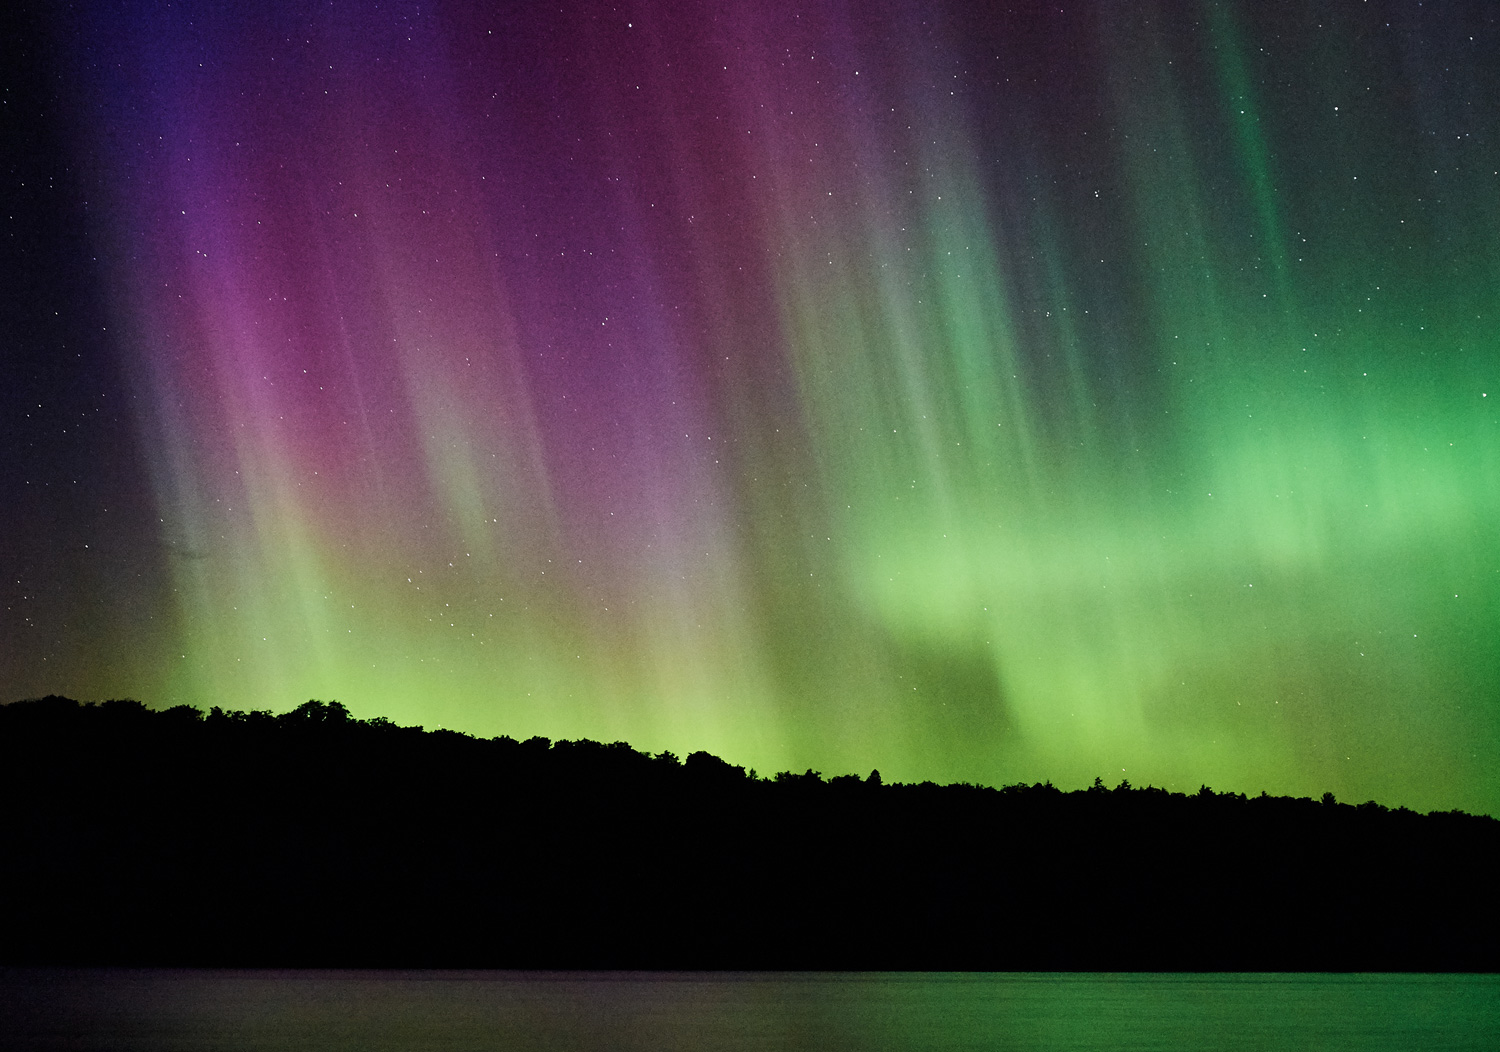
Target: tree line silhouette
[{"x": 133, "y": 836}]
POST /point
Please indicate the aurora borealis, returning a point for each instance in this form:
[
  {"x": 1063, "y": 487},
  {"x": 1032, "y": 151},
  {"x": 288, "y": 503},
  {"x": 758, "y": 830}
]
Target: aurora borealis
[{"x": 981, "y": 392}]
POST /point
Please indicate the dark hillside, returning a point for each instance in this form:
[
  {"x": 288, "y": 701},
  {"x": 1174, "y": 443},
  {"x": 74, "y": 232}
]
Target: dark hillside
[{"x": 132, "y": 836}]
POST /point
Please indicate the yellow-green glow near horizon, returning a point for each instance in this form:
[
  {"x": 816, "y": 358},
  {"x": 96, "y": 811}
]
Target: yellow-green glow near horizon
[{"x": 976, "y": 397}]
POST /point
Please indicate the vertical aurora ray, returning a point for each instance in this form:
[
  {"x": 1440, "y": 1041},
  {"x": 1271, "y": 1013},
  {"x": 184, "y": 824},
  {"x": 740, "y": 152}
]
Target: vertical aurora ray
[{"x": 980, "y": 396}]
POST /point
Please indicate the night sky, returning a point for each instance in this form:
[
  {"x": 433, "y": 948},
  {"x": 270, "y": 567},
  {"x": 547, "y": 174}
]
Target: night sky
[{"x": 982, "y": 392}]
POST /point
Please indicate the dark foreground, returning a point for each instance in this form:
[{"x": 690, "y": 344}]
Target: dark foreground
[{"x": 310, "y": 839}]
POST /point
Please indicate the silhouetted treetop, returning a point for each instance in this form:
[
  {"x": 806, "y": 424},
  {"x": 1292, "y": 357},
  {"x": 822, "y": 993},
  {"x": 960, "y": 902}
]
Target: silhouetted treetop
[
  {"x": 130, "y": 835},
  {"x": 57, "y": 718}
]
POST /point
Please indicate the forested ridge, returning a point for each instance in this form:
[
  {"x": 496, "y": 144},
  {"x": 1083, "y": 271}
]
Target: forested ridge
[{"x": 133, "y": 836}]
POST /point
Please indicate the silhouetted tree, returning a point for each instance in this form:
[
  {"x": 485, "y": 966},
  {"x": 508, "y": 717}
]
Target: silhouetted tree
[{"x": 133, "y": 836}]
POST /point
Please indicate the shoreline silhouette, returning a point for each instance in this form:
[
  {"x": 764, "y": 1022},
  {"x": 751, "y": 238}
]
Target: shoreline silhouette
[{"x": 132, "y": 836}]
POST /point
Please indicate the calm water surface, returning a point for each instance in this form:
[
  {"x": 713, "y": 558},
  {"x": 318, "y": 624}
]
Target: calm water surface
[{"x": 166, "y": 1011}]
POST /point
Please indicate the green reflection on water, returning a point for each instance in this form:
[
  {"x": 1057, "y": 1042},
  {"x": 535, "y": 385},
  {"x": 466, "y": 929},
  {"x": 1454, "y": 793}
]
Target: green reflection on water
[{"x": 166, "y": 1011}]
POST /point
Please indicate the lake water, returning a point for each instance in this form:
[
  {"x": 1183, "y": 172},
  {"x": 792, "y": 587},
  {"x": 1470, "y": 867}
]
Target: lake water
[{"x": 206, "y": 1011}]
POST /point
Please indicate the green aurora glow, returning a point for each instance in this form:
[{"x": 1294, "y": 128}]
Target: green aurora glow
[{"x": 1104, "y": 394}]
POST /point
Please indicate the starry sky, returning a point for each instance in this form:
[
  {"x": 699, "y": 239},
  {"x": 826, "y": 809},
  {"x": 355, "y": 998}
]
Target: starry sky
[{"x": 977, "y": 391}]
